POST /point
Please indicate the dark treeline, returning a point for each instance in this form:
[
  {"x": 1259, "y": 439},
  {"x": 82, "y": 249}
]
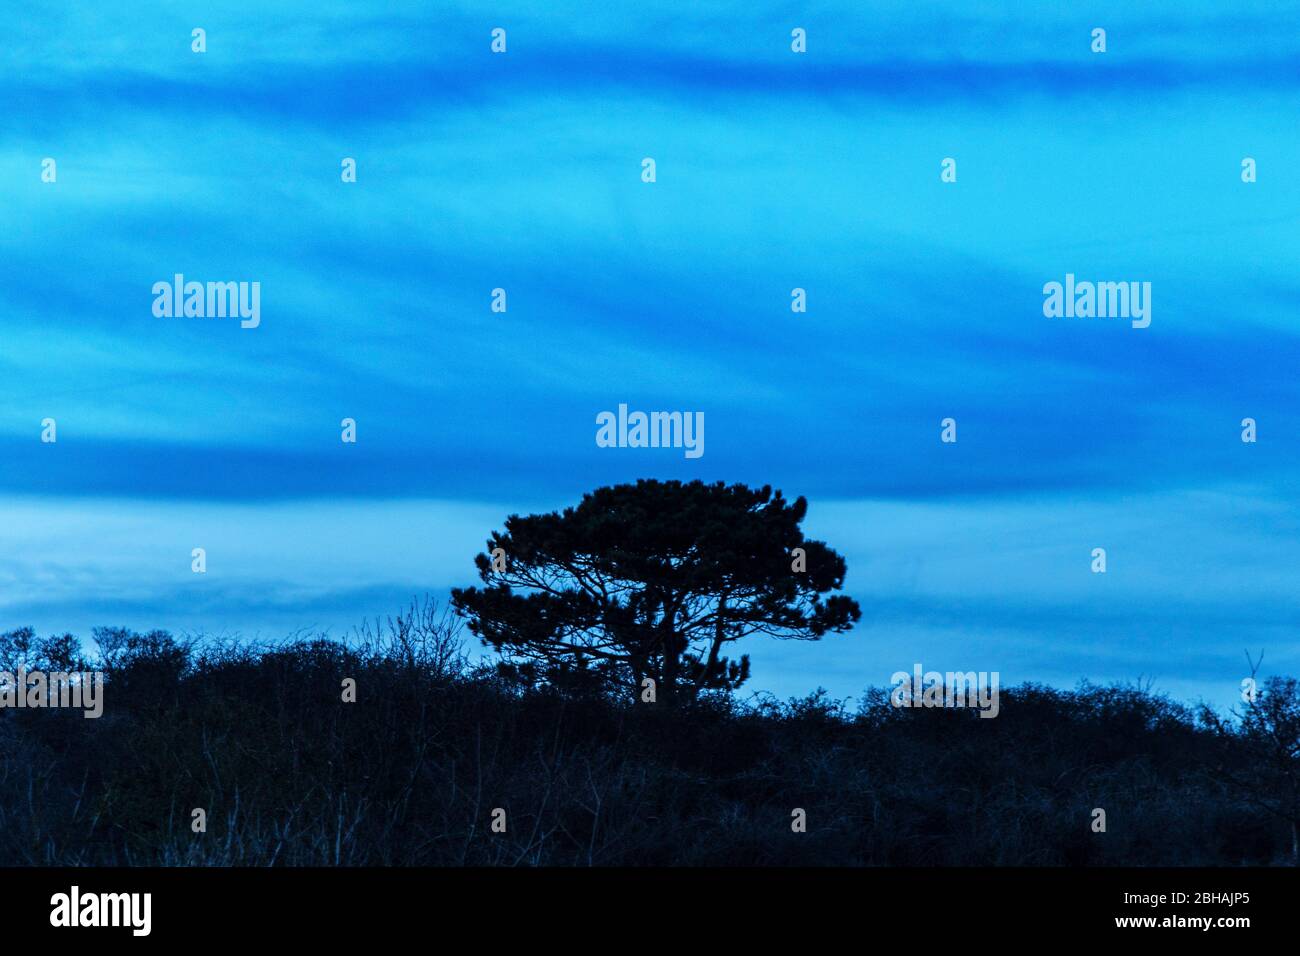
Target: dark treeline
[{"x": 410, "y": 774}]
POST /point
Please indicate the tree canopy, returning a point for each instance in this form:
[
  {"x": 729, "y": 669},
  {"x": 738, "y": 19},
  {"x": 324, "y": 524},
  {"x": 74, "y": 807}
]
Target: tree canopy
[{"x": 654, "y": 580}]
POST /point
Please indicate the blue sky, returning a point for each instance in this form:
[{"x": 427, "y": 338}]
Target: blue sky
[{"x": 775, "y": 170}]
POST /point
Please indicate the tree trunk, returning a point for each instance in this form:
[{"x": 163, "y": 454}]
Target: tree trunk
[
  {"x": 672, "y": 646},
  {"x": 716, "y": 650}
]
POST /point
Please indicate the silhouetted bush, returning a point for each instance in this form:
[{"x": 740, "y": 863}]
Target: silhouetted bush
[{"x": 410, "y": 773}]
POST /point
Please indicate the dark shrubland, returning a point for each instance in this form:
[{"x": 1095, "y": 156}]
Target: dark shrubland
[{"x": 410, "y": 773}]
